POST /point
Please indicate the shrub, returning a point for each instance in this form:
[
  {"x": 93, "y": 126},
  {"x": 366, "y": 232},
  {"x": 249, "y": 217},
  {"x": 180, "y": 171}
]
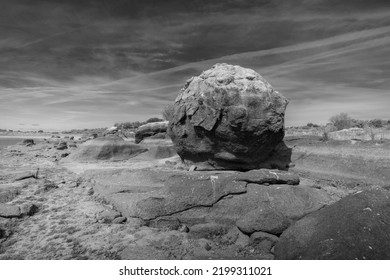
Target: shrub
[
  {"x": 168, "y": 112},
  {"x": 342, "y": 121},
  {"x": 312, "y": 125},
  {"x": 325, "y": 136},
  {"x": 375, "y": 123},
  {"x": 358, "y": 123},
  {"x": 151, "y": 120}
]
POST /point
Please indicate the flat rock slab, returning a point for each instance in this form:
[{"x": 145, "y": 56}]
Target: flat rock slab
[
  {"x": 9, "y": 211},
  {"x": 290, "y": 203},
  {"x": 207, "y": 197},
  {"x": 355, "y": 227}
]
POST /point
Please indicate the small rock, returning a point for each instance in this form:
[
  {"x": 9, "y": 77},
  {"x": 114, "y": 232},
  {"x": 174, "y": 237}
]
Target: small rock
[
  {"x": 62, "y": 146},
  {"x": 207, "y": 247},
  {"x": 63, "y": 155},
  {"x": 183, "y": 228},
  {"x": 9, "y": 211},
  {"x": 119, "y": 220},
  {"x": 167, "y": 223},
  {"x": 108, "y": 216},
  {"x": 192, "y": 168},
  {"x": 90, "y": 191},
  {"x": 28, "y": 209},
  {"x": 28, "y": 142}
]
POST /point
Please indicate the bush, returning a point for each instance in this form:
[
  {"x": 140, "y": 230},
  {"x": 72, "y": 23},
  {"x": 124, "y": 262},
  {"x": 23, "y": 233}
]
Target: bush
[
  {"x": 168, "y": 112},
  {"x": 342, "y": 121},
  {"x": 375, "y": 123},
  {"x": 312, "y": 125},
  {"x": 151, "y": 120}
]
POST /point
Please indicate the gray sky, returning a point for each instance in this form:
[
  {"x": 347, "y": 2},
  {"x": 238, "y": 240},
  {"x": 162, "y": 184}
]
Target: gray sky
[{"x": 82, "y": 64}]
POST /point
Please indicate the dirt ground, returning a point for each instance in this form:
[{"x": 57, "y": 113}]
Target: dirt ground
[{"x": 72, "y": 223}]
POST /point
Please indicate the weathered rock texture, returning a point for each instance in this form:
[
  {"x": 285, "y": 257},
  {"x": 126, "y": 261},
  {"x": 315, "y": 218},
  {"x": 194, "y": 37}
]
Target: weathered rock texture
[
  {"x": 229, "y": 116},
  {"x": 355, "y": 227},
  {"x": 112, "y": 148},
  {"x": 258, "y": 200},
  {"x": 150, "y": 129}
]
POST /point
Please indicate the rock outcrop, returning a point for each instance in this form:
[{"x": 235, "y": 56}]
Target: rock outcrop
[
  {"x": 229, "y": 117},
  {"x": 250, "y": 200},
  {"x": 150, "y": 129},
  {"x": 355, "y": 227},
  {"x": 111, "y": 148}
]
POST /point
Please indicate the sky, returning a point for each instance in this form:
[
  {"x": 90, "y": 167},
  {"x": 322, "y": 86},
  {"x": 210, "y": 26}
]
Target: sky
[{"x": 86, "y": 64}]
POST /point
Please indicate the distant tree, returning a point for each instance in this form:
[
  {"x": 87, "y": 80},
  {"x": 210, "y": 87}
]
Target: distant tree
[
  {"x": 342, "y": 121},
  {"x": 375, "y": 123},
  {"x": 358, "y": 123},
  {"x": 168, "y": 112},
  {"x": 151, "y": 120},
  {"x": 312, "y": 125}
]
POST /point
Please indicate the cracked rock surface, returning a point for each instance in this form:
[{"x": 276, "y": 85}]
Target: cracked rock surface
[{"x": 229, "y": 117}]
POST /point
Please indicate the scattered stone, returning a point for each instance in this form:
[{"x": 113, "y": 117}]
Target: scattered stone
[
  {"x": 9, "y": 211},
  {"x": 62, "y": 146},
  {"x": 111, "y": 148},
  {"x": 28, "y": 209},
  {"x": 72, "y": 145},
  {"x": 183, "y": 228},
  {"x": 119, "y": 220},
  {"x": 229, "y": 117},
  {"x": 192, "y": 168},
  {"x": 90, "y": 191},
  {"x": 28, "y": 142},
  {"x": 108, "y": 216},
  {"x": 355, "y": 227},
  {"x": 150, "y": 129}
]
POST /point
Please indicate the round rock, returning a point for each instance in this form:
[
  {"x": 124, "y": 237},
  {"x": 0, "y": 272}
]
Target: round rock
[{"x": 229, "y": 117}]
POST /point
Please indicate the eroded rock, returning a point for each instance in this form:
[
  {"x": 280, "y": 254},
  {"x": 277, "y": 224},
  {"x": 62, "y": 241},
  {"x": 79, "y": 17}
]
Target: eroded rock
[
  {"x": 355, "y": 227},
  {"x": 111, "y": 148},
  {"x": 229, "y": 117},
  {"x": 150, "y": 129}
]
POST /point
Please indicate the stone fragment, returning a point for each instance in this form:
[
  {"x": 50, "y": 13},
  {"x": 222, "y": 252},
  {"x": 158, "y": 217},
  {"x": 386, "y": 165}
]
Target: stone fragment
[{"x": 9, "y": 211}]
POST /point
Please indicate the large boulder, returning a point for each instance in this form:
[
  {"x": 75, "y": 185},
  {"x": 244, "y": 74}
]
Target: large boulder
[
  {"x": 229, "y": 117},
  {"x": 150, "y": 129},
  {"x": 355, "y": 227},
  {"x": 112, "y": 148}
]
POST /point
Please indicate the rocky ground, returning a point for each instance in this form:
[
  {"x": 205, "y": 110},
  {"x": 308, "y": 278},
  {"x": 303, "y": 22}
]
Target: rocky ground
[{"x": 153, "y": 207}]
